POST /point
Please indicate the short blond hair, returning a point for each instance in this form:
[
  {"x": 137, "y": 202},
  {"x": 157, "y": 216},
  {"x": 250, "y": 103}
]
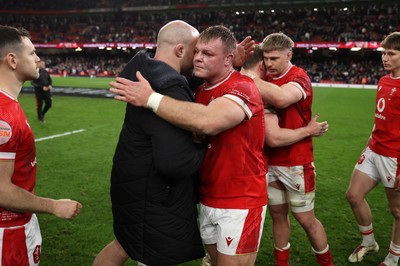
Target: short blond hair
[{"x": 277, "y": 42}]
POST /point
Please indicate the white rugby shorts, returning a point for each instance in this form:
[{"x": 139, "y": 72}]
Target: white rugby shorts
[
  {"x": 300, "y": 184},
  {"x": 379, "y": 168},
  {"x": 234, "y": 231}
]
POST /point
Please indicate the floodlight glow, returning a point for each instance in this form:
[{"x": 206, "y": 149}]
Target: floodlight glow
[{"x": 355, "y": 49}]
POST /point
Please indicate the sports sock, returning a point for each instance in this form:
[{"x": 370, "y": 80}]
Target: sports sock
[
  {"x": 282, "y": 255},
  {"x": 392, "y": 257},
  {"x": 324, "y": 257},
  {"x": 367, "y": 233}
]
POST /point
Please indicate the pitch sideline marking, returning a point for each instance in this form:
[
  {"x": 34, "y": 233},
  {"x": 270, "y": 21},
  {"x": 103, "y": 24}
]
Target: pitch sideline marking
[{"x": 60, "y": 135}]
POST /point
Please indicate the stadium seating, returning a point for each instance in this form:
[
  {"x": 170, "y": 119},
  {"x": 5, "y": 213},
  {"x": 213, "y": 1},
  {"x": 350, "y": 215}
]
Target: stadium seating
[{"x": 122, "y": 21}]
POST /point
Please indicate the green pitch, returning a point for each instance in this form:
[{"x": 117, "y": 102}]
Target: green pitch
[
  {"x": 79, "y": 82},
  {"x": 78, "y": 166}
]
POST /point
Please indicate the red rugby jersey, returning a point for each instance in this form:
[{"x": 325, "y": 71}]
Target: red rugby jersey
[
  {"x": 16, "y": 143},
  {"x": 385, "y": 138},
  {"x": 294, "y": 116},
  {"x": 233, "y": 171}
]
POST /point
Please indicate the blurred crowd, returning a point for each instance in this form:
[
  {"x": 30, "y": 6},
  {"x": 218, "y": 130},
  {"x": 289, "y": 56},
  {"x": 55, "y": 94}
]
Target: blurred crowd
[
  {"x": 91, "y": 66},
  {"x": 361, "y": 22},
  {"x": 119, "y": 4},
  {"x": 354, "y": 23},
  {"x": 340, "y": 67}
]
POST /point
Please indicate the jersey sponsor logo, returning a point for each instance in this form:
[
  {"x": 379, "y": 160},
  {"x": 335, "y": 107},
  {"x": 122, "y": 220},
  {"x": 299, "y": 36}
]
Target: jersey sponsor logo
[
  {"x": 380, "y": 106},
  {"x": 5, "y": 132},
  {"x": 36, "y": 254},
  {"x": 228, "y": 240}
]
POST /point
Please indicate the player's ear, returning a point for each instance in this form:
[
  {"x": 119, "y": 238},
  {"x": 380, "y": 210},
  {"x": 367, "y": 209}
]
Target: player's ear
[
  {"x": 179, "y": 50},
  {"x": 11, "y": 60},
  {"x": 229, "y": 59},
  {"x": 289, "y": 55},
  {"x": 260, "y": 66}
]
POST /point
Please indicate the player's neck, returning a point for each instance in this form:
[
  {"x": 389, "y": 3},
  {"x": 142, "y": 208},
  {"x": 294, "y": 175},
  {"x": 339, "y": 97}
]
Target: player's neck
[
  {"x": 10, "y": 93},
  {"x": 395, "y": 73},
  {"x": 10, "y": 89}
]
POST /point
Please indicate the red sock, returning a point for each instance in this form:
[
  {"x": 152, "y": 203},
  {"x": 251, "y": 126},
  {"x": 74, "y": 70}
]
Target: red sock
[
  {"x": 282, "y": 257},
  {"x": 324, "y": 259}
]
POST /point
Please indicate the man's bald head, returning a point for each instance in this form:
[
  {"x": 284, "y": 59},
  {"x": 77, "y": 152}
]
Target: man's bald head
[
  {"x": 175, "y": 32},
  {"x": 175, "y": 45}
]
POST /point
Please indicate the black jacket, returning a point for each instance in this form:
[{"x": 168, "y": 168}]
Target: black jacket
[
  {"x": 43, "y": 80},
  {"x": 154, "y": 175}
]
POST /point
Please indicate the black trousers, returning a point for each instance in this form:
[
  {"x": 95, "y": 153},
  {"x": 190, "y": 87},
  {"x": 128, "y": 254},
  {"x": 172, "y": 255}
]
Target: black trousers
[{"x": 42, "y": 97}]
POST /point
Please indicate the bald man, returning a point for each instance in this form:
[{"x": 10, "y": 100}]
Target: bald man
[{"x": 154, "y": 173}]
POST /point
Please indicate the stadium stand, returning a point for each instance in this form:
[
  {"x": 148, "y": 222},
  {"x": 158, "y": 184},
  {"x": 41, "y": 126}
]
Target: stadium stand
[{"x": 58, "y": 29}]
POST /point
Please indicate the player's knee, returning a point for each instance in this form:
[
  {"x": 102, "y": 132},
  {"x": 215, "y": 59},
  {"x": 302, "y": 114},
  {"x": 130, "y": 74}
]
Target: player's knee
[
  {"x": 352, "y": 197},
  {"x": 308, "y": 221},
  {"x": 395, "y": 211}
]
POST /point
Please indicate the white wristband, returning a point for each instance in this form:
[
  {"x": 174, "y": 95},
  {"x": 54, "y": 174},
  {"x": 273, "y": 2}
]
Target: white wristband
[{"x": 154, "y": 101}]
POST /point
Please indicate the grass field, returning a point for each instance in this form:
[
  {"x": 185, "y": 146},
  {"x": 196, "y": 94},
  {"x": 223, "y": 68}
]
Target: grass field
[
  {"x": 81, "y": 82},
  {"x": 78, "y": 166}
]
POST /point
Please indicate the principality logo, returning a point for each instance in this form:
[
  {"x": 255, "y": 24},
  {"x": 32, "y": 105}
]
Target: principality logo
[
  {"x": 228, "y": 240},
  {"x": 5, "y": 132}
]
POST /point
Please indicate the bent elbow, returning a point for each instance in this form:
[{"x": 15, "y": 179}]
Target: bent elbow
[
  {"x": 272, "y": 144},
  {"x": 272, "y": 141}
]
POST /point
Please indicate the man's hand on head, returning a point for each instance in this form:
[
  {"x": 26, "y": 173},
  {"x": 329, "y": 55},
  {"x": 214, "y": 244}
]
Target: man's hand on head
[{"x": 243, "y": 51}]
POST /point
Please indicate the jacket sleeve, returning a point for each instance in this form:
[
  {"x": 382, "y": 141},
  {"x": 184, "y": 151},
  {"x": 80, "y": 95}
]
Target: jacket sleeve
[
  {"x": 50, "y": 80},
  {"x": 174, "y": 152}
]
